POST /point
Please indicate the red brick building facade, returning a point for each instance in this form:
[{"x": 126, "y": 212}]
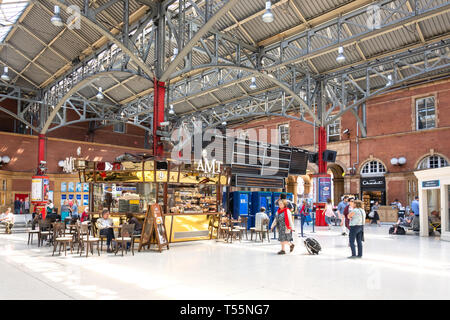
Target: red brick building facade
[{"x": 392, "y": 132}]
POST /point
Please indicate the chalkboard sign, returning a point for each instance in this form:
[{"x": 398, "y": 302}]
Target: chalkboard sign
[{"x": 153, "y": 229}]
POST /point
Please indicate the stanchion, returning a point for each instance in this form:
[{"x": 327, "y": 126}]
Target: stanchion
[{"x": 313, "y": 213}]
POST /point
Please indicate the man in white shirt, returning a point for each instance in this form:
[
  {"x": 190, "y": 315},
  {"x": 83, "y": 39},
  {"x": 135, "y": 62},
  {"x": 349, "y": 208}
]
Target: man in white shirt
[
  {"x": 105, "y": 225},
  {"x": 260, "y": 217},
  {"x": 8, "y": 220}
]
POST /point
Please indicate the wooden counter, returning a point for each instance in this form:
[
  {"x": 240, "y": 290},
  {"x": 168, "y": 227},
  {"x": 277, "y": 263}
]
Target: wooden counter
[{"x": 387, "y": 214}]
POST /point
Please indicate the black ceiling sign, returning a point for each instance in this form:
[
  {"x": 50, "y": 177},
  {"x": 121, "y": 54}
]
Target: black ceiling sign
[{"x": 373, "y": 183}]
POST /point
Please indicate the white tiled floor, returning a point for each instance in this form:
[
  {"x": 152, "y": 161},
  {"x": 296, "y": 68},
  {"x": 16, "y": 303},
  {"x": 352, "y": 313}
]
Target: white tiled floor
[{"x": 393, "y": 267}]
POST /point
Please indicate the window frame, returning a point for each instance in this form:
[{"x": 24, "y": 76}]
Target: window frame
[
  {"x": 370, "y": 173},
  {"x": 428, "y": 158},
  {"x": 288, "y": 133},
  {"x": 124, "y": 127},
  {"x": 417, "y": 100},
  {"x": 334, "y": 135}
]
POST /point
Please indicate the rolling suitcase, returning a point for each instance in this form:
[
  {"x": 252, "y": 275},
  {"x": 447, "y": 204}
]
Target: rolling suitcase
[{"x": 312, "y": 245}]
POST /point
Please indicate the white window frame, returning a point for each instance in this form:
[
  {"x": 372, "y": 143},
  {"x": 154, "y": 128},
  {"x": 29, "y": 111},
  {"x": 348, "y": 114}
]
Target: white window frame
[
  {"x": 374, "y": 168},
  {"x": 425, "y": 99},
  {"x": 280, "y": 134},
  {"x": 335, "y": 122},
  {"x": 120, "y": 123},
  {"x": 425, "y": 163}
]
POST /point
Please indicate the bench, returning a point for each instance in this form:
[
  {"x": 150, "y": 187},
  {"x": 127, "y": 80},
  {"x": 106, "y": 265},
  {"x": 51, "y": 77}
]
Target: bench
[{"x": 21, "y": 223}]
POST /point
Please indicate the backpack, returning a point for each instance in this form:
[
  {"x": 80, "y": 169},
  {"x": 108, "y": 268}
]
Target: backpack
[
  {"x": 312, "y": 245},
  {"x": 400, "y": 230}
]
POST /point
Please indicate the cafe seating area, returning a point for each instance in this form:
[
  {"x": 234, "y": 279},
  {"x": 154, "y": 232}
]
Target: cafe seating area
[
  {"x": 234, "y": 229},
  {"x": 82, "y": 239}
]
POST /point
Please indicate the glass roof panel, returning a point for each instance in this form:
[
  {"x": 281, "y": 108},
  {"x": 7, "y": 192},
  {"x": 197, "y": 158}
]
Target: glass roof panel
[{"x": 10, "y": 12}]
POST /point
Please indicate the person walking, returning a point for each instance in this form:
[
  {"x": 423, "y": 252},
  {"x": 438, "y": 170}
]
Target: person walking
[
  {"x": 376, "y": 218},
  {"x": 329, "y": 213},
  {"x": 357, "y": 218},
  {"x": 26, "y": 205},
  {"x": 340, "y": 209},
  {"x": 285, "y": 225},
  {"x": 74, "y": 209},
  {"x": 415, "y": 207}
]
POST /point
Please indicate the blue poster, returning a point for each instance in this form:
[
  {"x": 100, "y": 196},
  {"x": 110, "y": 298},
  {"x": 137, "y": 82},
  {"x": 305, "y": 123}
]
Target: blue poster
[
  {"x": 85, "y": 200},
  {"x": 79, "y": 200},
  {"x": 85, "y": 187},
  {"x": 78, "y": 188},
  {"x": 324, "y": 189},
  {"x": 63, "y": 186},
  {"x": 70, "y": 196},
  {"x": 63, "y": 197},
  {"x": 71, "y": 187}
]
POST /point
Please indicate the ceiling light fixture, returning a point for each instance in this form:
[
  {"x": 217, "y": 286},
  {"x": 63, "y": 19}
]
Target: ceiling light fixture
[
  {"x": 171, "y": 111},
  {"x": 253, "y": 84},
  {"x": 224, "y": 123},
  {"x": 56, "y": 19},
  {"x": 268, "y": 15},
  {"x": 390, "y": 82},
  {"x": 99, "y": 95},
  {"x": 5, "y": 75},
  {"x": 175, "y": 53},
  {"x": 340, "y": 58}
]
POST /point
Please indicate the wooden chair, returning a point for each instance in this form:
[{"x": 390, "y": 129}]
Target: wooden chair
[
  {"x": 126, "y": 236},
  {"x": 96, "y": 232},
  {"x": 235, "y": 231},
  {"x": 224, "y": 229},
  {"x": 60, "y": 237},
  {"x": 264, "y": 231},
  {"x": 85, "y": 239},
  {"x": 31, "y": 233},
  {"x": 214, "y": 224},
  {"x": 243, "y": 226},
  {"x": 44, "y": 232}
]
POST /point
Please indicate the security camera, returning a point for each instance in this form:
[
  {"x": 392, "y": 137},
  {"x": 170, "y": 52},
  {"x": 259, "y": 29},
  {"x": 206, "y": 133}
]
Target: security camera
[{"x": 346, "y": 131}]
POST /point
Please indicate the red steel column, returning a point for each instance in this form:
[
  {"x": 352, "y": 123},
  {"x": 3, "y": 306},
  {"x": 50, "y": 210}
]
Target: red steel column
[
  {"x": 41, "y": 148},
  {"x": 158, "y": 115},
  {"x": 322, "y": 148}
]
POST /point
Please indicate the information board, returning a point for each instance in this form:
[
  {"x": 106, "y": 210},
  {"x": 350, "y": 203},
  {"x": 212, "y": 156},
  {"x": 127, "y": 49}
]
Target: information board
[{"x": 324, "y": 189}]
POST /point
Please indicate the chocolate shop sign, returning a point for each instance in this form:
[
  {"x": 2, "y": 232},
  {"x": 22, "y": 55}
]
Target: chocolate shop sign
[{"x": 374, "y": 183}]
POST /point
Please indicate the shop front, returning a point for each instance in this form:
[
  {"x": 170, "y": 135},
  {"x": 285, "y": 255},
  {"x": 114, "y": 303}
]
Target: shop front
[
  {"x": 189, "y": 198},
  {"x": 373, "y": 189},
  {"x": 434, "y": 200}
]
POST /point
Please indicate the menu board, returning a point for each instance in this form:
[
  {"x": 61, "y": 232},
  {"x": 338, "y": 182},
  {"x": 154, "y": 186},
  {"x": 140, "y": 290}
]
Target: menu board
[{"x": 153, "y": 229}]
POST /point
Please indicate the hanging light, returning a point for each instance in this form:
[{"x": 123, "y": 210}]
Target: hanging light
[
  {"x": 268, "y": 15},
  {"x": 171, "y": 111},
  {"x": 56, "y": 19},
  {"x": 224, "y": 123},
  {"x": 253, "y": 84},
  {"x": 122, "y": 114},
  {"x": 99, "y": 95},
  {"x": 5, "y": 75},
  {"x": 340, "y": 58}
]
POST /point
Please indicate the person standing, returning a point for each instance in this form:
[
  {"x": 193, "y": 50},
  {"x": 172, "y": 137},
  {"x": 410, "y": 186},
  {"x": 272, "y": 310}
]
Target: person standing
[
  {"x": 357, "y": 218},
  {"x": 415, "y": 208},
  {"x": 17, "y": 205},
  {"x": 328, "y": 213},
  {"x": 285, "y": 225},
  {"x": 65, "y": 210},
  {"x": 26, "y": 205},
  {"x": 340, "y": 209},
  {"x": 303, "y": 213},
  {"x": 49, "y": 207},
  {"x": 74, "y": 209}
]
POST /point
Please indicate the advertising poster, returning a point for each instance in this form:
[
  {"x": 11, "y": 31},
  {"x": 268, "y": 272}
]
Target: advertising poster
[
  {"x": 46, "y": 188},
  {"x": 36, "y": 190},
  {"x": 71, "y": 187},
  {"x": 85, "y": 187},
  {"x": 63, "y": 197},
  {"x": 70, "y": 196},
  {"x": 85, "y": 200},
  {"x": 79, "y": 200},
  {"x": 63, "y": 186},
  {"x": 78, "y": 187},
  {"x": 324, "y": 191}
]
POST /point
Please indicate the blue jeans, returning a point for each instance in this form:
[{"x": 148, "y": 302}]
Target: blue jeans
[
  {"x": 356, "y": 233},
  {"x": 328, "y": 220}
]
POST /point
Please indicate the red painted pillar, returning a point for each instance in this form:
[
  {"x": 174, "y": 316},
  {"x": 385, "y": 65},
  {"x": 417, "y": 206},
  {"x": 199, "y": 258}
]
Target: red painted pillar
[
  {"x": 158, "y": 115},
  {"x": 41, "y": 148},
  {"x": 322, "y": 148}
]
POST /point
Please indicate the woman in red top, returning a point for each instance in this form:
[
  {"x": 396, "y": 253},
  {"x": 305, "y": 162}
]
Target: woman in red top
[
  {"x": 85, "y": 215},
  {"x": 285, "y": 225}
]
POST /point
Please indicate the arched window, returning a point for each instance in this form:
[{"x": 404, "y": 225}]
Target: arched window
[
  {"x": 431, "y": 162},
  {"x": 373, "y": 168}
]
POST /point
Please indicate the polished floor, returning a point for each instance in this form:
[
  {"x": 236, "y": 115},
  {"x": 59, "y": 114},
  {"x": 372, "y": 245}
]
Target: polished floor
[{"x": 393, "y": 267}]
